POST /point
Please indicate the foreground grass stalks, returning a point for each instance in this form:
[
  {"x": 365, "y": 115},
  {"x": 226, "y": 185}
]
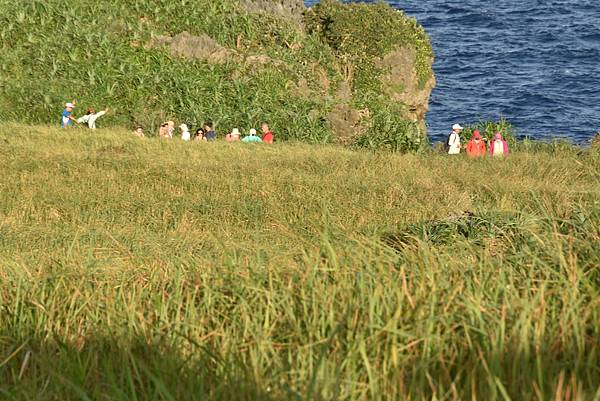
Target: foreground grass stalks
[{"x": 147, "y": 270}]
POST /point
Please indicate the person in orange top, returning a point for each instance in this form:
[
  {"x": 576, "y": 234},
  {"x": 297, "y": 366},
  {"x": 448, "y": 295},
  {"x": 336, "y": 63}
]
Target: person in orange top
[
  {"x": 268, "y": 136},
  {"x": 476, "y": 146}
]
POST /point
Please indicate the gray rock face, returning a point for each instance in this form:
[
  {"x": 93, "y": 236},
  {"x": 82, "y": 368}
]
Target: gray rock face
[
  {"x": 402, "y": 84},
  {"x": 201, "y": 47},
  {"x": 291, "y": 9}
]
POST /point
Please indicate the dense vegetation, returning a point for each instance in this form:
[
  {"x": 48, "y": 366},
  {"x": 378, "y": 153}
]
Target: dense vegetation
[
  {"x": 153, "y": 270},
  {"x": 271, "y": 66}
]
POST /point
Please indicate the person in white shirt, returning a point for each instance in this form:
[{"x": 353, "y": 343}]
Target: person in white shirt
[
  {"x": 454, "y": 140},
  {"x": 90, "y": 117},
  {"x": 185, "y": 132}
]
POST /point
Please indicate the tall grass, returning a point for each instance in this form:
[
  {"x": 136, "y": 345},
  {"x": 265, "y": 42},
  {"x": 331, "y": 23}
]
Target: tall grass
[{"x": 151, "y": 270}]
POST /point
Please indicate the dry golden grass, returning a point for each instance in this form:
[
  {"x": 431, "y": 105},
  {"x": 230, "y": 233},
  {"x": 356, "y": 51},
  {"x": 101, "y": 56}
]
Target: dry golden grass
[{"x": 150, "y": 270}]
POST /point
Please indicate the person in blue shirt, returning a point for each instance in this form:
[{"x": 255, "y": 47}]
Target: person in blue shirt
[
  {"x": 252, "y": 138},
  {"x": 210, "y": 134},
  {"x": 67, "y": 118}
]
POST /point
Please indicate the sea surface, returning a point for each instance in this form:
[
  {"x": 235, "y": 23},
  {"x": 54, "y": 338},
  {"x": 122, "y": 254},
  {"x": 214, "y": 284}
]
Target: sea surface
[{"x": 533, "y": 62}]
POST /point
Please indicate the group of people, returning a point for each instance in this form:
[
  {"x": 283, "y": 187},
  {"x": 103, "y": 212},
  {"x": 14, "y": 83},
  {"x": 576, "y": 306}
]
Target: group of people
[
  {"x": 207, "y": 133},
  {"x": 167, "y": 129},
  {"x": 477, "y": 146}
]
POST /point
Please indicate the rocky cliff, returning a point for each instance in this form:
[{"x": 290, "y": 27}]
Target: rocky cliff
[{"x": 356, "y": 74}]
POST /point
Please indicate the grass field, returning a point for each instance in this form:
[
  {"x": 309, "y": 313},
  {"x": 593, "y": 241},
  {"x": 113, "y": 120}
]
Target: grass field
[{"x": 151, "y": 270}]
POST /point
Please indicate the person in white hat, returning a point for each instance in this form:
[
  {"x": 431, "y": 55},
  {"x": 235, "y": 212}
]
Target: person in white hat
[
  {"x": 67, "y": 118},
  {"x": 234, "y": 136},
  {"x": 185, "y": 132},
  {"x": 252, "y": 137},
  {"x": 453, "y": 143}
]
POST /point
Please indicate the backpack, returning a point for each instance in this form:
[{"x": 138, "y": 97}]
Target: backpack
[{"x": 447, "y": 142}]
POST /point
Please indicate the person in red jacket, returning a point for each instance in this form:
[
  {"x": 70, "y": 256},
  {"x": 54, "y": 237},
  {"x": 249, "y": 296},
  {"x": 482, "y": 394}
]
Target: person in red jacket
[
  {"x": 268, "y": 136},
  {"x": 476, "y": 146}
]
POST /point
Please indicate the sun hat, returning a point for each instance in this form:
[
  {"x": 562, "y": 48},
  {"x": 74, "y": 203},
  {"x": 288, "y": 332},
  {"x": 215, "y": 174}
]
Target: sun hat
[
  {"x": 70, "y": 105},
  {"x": 253, "y": 132},
  {"x": 476, "y": 134},
  {"x": 184, "y": 127},
  {"x": 457, "y": 127},
  {"x": 235, "y": 132}
]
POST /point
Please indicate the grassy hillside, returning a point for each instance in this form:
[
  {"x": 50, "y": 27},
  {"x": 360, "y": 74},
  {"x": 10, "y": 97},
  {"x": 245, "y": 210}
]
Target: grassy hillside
[
  {"x": 242, "y": 65},
  {"x": 152, "y": 270}
]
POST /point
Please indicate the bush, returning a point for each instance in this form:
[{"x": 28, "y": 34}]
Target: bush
[
  {"x": 391, "y": 132},
  {"x": 489, "y": 128},
  {"x": 360, "y": 34}
]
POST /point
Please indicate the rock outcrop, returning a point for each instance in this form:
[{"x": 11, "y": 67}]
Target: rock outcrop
[
  {"x": 201, "y": 47},
  {"x": 354, "y": 73},
  {"x": 402, "y": 84},
  {"x": 292, "y": 9}
]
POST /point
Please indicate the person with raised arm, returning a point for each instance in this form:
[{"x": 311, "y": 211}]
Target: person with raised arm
[{"x": 90, "y": 117}]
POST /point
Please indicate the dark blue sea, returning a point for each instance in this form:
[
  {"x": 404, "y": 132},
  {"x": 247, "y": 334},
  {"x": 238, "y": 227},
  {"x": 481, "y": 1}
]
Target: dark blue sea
[{"x": 533, "y": 62}]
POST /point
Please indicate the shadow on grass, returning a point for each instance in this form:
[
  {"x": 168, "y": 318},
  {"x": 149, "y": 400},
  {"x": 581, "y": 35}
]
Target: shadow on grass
[{"x": 107, "y": 369}]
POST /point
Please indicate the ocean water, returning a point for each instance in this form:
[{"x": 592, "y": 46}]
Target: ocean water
[{"x": 533, "y": 62}]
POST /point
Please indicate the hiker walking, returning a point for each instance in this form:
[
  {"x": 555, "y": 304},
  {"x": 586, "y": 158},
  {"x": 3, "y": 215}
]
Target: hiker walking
[
  {"x": 499, "y": 147},
  {"x": 476, "y": 146},
  {"x": 453, "y": 143}
]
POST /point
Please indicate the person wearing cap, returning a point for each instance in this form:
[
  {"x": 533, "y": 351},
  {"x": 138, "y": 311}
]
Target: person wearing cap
[
  {"x": 234, "y": 136},
  {"x": 454, "y": 140},
  {"x": 185, "y": 132},
  {"x": 476, "y": 146},
  {"x": 67, "y": 118},
  {"x": 252, "y": 137},
  {"x": 498, "y": 147},
  {"x": 268, "y": 136},
  {"x": 90, "y": 117}
]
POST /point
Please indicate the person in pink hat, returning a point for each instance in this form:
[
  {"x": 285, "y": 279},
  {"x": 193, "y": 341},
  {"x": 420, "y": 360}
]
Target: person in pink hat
[{"x": 498, "y": 147}]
